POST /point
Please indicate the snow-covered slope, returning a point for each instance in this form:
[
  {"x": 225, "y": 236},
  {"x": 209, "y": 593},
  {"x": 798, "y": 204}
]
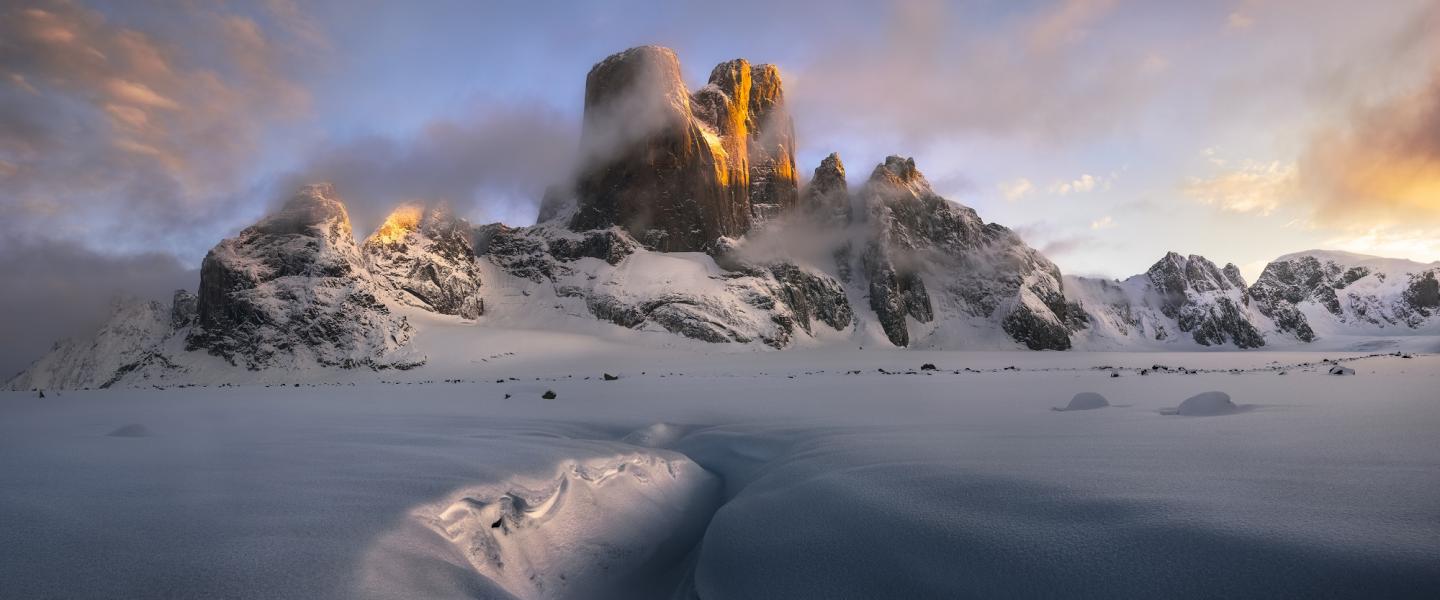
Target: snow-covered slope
[
  {"x": 128, "y": 341},
  {"x": 1314, "y": 294}
]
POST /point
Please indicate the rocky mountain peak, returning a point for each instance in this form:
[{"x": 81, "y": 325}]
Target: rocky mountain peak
[
  {"x": 294, "y": 286},
  {"x": 899, "y": 171},
  {"x": 312, "y": 206},
  {"x": 678, "y": 170},
  {"x": 1205, "y": 301},
  {"x": 828, "y": 194}
]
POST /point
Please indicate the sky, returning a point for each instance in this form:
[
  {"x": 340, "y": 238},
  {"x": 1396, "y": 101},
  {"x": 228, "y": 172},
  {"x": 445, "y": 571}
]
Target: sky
[{"x": 135, "y": 135}]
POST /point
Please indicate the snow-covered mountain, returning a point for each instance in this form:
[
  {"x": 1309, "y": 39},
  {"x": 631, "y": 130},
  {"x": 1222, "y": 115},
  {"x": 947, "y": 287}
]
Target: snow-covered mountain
[
  {"x": 294, "y": 290},
  {"x": 1179, "y": 301},
  {"x": 686, "y": 225},
  {"x": 1316, "y": 293}
]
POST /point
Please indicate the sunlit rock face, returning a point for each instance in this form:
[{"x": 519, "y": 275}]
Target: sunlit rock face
[
  {"x": 676, "y": 170},
  {"x": 293, "y": 290},
  {"x": 650, "y": 166},
  {"x": 773, "y": 187},
  {"x": 931, "y": 259},
  {"x": 426, "y": 258}
]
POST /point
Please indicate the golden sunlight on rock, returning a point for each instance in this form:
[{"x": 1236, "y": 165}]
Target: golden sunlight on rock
[{"x": 401, "y": 222}]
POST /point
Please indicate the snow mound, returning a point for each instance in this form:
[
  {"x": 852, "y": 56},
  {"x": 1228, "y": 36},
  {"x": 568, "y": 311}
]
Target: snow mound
[
  {"x": 1085, "y": 401},
  {"x": 596, "y": 528},
  {"x": 1206, "y": 404}
]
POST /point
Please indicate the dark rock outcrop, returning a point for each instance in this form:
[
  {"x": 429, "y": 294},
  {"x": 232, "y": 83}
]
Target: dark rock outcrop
[
  {"x": 292, "y": 289},
  {"x": 677, "y": 170},
  {"x": 183, "y": 309},
  {"x": 651, "y": 166}
]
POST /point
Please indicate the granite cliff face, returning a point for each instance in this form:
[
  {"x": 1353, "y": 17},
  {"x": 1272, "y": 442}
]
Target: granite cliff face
[
  {"x": 293, "y": 290},
  {"x": 678, "y": 171}
]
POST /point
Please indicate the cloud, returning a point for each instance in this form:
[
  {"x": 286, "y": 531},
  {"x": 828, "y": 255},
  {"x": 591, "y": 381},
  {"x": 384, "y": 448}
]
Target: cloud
[
  {"x": 127, "y": 134},
  {"x": 1015, "y": 190},
  {"x": 1238, "y": 21},
  {"x": 492, "y": 162},
  {"x": 60, "y": 289},
  {"x": 1104, "y": 222},
  {"x": 1253, "y": 187},
  {"x": 1080, "y": 185},
  {"x": 1381, "y": 168},
  {"x": 939, "y": 71}
]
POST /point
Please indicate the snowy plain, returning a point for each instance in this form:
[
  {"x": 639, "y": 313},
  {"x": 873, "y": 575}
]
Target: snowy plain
[{"x": 714, "y": 472}]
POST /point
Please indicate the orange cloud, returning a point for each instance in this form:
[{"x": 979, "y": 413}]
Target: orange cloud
[{"x": 1383, "y": 167}]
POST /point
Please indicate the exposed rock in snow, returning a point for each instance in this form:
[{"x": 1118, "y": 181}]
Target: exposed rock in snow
[
  {"x": 1315, "y": 292},
  {"x": 293, "y": 290},
  {"x": 426, "y": 257},
  {"x": 1339, "y": 370}
]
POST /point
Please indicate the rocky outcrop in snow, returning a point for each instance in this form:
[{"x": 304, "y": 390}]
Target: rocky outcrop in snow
[
  {"x": 293, "y": 290},
  {"x": 427, "y": 258}
]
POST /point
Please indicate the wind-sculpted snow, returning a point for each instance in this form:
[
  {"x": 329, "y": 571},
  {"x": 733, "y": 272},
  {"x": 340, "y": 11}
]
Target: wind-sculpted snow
[{"x": 600, "y": 528}]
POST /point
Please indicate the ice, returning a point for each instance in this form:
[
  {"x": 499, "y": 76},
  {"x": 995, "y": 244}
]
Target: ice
[{"x": 1086, "y": 401}]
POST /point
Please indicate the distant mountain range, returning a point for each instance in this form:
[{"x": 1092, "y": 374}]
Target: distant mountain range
[{"x": 687, "y": 217}]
